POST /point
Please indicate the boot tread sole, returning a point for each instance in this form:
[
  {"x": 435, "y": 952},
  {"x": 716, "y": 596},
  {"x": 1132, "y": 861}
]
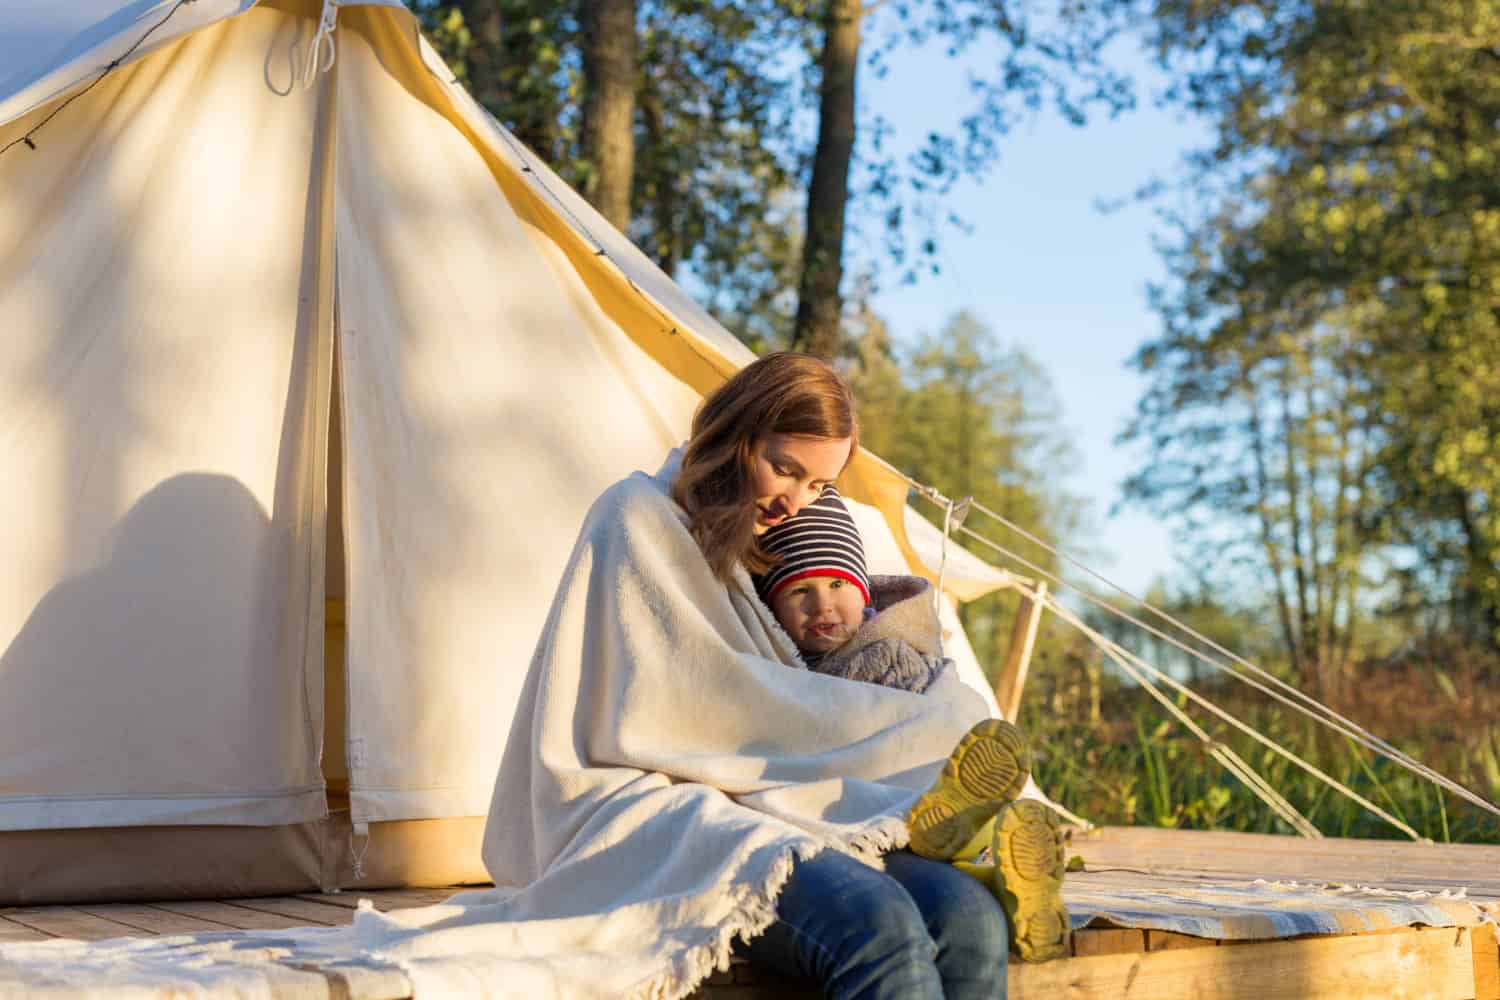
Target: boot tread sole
[{"x": 984, "y": 773}]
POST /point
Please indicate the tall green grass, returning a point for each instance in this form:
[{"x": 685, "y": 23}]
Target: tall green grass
[{"x": 1120, "y": 759}]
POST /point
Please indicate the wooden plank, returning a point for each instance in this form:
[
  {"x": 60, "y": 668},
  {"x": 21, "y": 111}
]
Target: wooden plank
[
  {"x": 1108, "y": 941},
  {"x": 1167, "y": 940},
  {"x": 305, "y": 910},
  {"x": 151, "y": 919},
  {"x": 401, "y": 899},
  {"x": 1390, "y": 864},
  {"x": 1486, "y": 963},
  {"x": 10, "y": 931},
  {"x": 238, "y": 917},
  {"x": 347, "y": 900},
  {"x": 385, "y": 899},
  {"x": 1433, "y": 964},
  {"x": 67, "y": 922},
  {"x": 1018, "y": 658}
]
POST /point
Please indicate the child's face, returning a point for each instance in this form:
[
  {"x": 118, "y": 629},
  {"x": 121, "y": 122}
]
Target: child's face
[{"x": 819, "y": 612}]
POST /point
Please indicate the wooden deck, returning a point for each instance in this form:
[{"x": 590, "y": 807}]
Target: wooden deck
[
  {"x": 96, "y": 922},
  {"x": 1109, "y": 961}
]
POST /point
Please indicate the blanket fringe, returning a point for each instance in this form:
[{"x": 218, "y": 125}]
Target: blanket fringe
[
  {"x": 881, "y": 838},
  {"x": 757, "y": 909}
]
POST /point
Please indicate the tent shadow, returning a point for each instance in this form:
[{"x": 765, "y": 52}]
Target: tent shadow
[{"x": 147, "y": 675}]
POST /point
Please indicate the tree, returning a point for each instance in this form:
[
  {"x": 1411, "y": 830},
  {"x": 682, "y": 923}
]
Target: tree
[
  {"x": 1353, "y": 182},
  {"x": 513, "y": 55},
  {"x": 1256, "y": 450},
  {"x": 1042, "y": 53},
  {"x": 716, "y": 193},
  {"x": 819, "y": 303},
  {"x": 607, "y": 131}
]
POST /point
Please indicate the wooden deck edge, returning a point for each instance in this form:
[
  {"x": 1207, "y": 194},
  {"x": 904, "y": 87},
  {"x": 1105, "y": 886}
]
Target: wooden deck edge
[
  {"x": 1398, "y": 963},
  {"x": 1486, "y": 953},
  {"x": 1435, "y": 963}
]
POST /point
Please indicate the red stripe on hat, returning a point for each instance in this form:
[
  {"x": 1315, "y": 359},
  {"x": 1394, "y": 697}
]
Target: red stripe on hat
[{"x": 818, "y": 571}]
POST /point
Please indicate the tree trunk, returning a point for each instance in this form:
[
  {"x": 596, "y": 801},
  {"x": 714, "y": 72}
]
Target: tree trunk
[
  {"x": 609, "y": 71},
  {"x": 819, "y": 305},
  {"x": 1483, "y": 566},
  {"x": 1267, "y": 531},
  {"x": 484, "y": 22},
  {"x": 1306, "y": 638}
]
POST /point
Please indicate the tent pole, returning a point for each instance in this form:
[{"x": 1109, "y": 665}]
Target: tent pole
[{"x": 1018, "y": 660}]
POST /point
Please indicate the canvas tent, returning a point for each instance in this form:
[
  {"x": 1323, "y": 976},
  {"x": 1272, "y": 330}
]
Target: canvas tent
[{"x": 307, "y": 379}]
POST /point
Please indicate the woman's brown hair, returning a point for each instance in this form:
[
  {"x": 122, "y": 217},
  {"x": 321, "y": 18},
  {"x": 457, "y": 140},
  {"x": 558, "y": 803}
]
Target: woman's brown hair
[{"x": 783, "y": 393}]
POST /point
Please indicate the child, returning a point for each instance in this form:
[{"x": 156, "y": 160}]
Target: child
[{"x": 884, "y": 630}]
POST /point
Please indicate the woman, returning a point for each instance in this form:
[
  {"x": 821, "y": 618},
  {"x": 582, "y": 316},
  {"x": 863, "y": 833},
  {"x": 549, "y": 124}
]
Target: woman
[
  {"x": 676, "y": 781},
  {"x": 763, "y": 447}
]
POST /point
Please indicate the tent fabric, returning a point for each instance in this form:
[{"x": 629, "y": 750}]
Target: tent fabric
[
  {"x": 487, "y": 402},
  {"x": 163, "y": 396},
  {"x": 46, "y": 47},
  {"x": 417, "y": 276},
  {"x": 191, "y": 245}
]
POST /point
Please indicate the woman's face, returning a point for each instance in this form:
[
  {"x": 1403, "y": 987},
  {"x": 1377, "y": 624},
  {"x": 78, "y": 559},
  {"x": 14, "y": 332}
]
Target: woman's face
[{"x": 790, "y": 471}]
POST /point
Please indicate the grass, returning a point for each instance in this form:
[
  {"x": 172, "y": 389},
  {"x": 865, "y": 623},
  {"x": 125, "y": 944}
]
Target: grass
[{"x": 1110, "y": 754}]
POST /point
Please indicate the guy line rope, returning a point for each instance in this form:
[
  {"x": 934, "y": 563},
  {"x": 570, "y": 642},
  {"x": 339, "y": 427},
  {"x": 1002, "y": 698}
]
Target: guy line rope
[{"x": 1305, "y": 704}]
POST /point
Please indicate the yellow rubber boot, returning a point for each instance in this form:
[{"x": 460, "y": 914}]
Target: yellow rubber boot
[
  {"x": 983, "y": 872},
  {"x": 1030, "y": 860},
  {"x": 984, "y": 772},
  {"x": 979, "y": 845}
]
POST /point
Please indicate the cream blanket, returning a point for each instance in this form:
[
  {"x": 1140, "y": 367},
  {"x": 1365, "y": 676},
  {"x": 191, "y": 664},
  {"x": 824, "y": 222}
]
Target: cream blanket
[
  {"x": 672, "y": 757},
  {"x": 670, "y": 762}
]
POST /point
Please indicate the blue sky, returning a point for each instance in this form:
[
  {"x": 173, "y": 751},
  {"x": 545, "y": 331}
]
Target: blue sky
[{"x": 1051, "y": 272}]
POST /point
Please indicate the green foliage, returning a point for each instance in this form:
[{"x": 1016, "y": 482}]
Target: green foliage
[
  {"x": 1344, "y": 292},
  {"x": 716, "y": 183},
  {"x": 722, "y": 145},
  {"x": 1135, "y": 766},
  {"x": 519, "y": 58}
]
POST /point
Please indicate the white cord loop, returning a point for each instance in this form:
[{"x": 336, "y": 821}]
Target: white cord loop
[
  {"x": 322, "y": 53},
  {"x": 359, "y": 843}
]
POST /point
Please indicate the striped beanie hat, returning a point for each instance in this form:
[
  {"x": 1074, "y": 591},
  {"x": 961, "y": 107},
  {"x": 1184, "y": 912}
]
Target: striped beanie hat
[{"x": 822, "y": 540}]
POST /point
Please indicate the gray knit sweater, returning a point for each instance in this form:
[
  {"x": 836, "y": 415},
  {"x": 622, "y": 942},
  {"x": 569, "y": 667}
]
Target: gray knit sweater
[{"x": 897, "y": 648}]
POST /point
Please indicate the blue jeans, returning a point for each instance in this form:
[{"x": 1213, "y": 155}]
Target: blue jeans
[{"x": 922, "y": 930}]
